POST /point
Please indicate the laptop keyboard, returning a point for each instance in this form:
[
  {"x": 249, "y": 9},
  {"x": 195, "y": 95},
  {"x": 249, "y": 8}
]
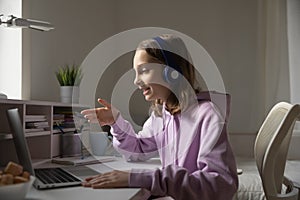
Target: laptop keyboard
[{"x": 54, "y": 175}]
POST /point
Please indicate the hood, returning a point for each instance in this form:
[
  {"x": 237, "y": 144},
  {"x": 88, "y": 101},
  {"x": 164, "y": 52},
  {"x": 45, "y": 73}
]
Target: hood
[{"x": 221, "y": 100}]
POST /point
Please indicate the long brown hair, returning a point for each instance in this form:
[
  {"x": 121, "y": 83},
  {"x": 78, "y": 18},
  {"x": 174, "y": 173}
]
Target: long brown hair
[{"x": 184, "y": 90}]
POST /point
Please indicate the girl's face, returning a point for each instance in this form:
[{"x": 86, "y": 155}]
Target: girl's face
[{"x": 148, "y": 76}]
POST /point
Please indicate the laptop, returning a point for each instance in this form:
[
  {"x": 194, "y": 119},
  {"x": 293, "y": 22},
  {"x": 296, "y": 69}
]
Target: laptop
[{"x": 46, "y": 178}]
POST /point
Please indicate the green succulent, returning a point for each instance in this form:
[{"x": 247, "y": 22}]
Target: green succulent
[{"x": 69, "y": 75}]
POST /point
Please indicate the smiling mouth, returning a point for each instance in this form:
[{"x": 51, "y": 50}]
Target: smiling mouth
[{"x": 146, "y": 91}]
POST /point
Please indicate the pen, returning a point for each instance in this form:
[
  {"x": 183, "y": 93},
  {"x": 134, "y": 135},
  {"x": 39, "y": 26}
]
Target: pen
[{"x": 58, "y": 126}]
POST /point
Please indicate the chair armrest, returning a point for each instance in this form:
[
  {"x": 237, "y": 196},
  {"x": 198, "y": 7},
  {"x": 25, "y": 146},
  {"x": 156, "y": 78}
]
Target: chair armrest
[
  {"x": 239, "y": 171},
  {"x": 289, "y": 184}
]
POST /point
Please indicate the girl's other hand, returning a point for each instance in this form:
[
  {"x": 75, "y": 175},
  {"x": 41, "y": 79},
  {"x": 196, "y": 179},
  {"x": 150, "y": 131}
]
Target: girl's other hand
[
  {"x": 113, "y": 179},
  {"x": 105, "y": 115}
]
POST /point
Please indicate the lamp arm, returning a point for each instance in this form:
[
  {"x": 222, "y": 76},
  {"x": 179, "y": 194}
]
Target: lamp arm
[{"x": 12, "y": 21}]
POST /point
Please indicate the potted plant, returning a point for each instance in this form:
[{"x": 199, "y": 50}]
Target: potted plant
[{"x": 69, "y": 78}]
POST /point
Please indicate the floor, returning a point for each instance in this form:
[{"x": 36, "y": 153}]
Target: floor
[{"x": 250, "y": 186}]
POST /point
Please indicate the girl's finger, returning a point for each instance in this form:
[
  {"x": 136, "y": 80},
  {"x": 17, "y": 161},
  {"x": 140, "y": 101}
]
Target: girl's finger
[
  {"x": 88, "y": 111},
  {"x": 91, "y": 119},
  {"x": 105, "y": 184},
  {"x": 92, "y": 177},
  {"x": 94, "y": 121},
  {"x": 90, "y": 114},
  {"x": 104, "y": 103},
  {"x": 86, "y": 184}
]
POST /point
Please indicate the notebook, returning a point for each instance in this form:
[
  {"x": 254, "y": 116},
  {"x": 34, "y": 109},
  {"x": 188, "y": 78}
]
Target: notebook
[
  {"x": 46, "y": 178},
  {"x": 78, "y": 161}
]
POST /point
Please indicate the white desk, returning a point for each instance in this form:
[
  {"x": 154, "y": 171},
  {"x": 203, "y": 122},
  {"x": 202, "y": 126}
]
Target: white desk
[{"x": 74, "y": 193}]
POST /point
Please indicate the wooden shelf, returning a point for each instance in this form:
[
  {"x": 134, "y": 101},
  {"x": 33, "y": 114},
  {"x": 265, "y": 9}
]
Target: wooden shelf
[
  {"x": 29, "y": 134},
  {"x": 42, "y": 144}
]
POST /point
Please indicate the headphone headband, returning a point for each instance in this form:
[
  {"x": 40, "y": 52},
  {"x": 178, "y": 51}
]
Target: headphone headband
[{"x": 167, "y": 54}]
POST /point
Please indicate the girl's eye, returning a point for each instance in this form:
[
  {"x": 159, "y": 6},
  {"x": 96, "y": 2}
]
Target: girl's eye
[{"x": 144, "y": 70}]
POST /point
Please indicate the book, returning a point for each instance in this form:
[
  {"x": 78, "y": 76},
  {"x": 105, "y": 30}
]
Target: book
[
  {"x": 77, "y": 161},
  {"x": 35, "y": 118},
  {"x": 30, "y": 130},
  {"x": 43, "y": 124}
]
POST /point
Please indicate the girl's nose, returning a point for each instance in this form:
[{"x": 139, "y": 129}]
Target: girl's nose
[
  {"x": 136, "y": 80},
  {"x": 139, "y": 82}
]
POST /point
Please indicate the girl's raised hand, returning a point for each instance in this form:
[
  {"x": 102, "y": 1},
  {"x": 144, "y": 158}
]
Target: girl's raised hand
[{"x": 105, "y": 115}]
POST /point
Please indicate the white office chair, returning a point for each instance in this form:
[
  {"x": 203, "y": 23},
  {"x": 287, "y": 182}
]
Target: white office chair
[{"x": 271, "y": 148}]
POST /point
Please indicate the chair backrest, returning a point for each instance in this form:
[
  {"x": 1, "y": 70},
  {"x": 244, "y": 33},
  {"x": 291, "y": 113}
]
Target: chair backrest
[{"x": 271, "y": 148}]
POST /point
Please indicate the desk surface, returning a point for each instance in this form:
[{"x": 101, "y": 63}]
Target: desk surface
[{"x": 74, "y": 193}]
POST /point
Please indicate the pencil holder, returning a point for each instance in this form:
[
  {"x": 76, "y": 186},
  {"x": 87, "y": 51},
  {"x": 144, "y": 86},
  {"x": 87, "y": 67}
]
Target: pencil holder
[{"x": 70, "y": 144}]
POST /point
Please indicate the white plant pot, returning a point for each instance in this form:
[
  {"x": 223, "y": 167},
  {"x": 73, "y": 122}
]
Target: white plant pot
[{"x": 69, "y": 94}]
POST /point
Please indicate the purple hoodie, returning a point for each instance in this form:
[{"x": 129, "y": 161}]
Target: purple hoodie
[{"x": 197, "y": 160}]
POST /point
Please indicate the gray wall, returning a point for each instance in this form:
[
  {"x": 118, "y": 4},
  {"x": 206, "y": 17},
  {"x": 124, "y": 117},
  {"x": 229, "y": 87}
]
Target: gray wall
[{"x": 228, "y": 30}]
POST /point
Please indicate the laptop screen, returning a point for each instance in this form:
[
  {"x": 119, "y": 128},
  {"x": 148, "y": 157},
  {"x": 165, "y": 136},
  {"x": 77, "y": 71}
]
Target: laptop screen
[{"x": 19, "y": 140}]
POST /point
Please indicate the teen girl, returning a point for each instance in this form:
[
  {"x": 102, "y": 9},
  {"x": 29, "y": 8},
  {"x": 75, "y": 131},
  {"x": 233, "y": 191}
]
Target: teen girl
[{"x": 187, "y": 128}]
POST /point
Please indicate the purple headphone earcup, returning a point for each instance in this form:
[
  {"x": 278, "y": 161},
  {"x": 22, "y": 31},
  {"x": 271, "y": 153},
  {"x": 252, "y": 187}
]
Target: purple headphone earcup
[{"x": 170, "y": 75}]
